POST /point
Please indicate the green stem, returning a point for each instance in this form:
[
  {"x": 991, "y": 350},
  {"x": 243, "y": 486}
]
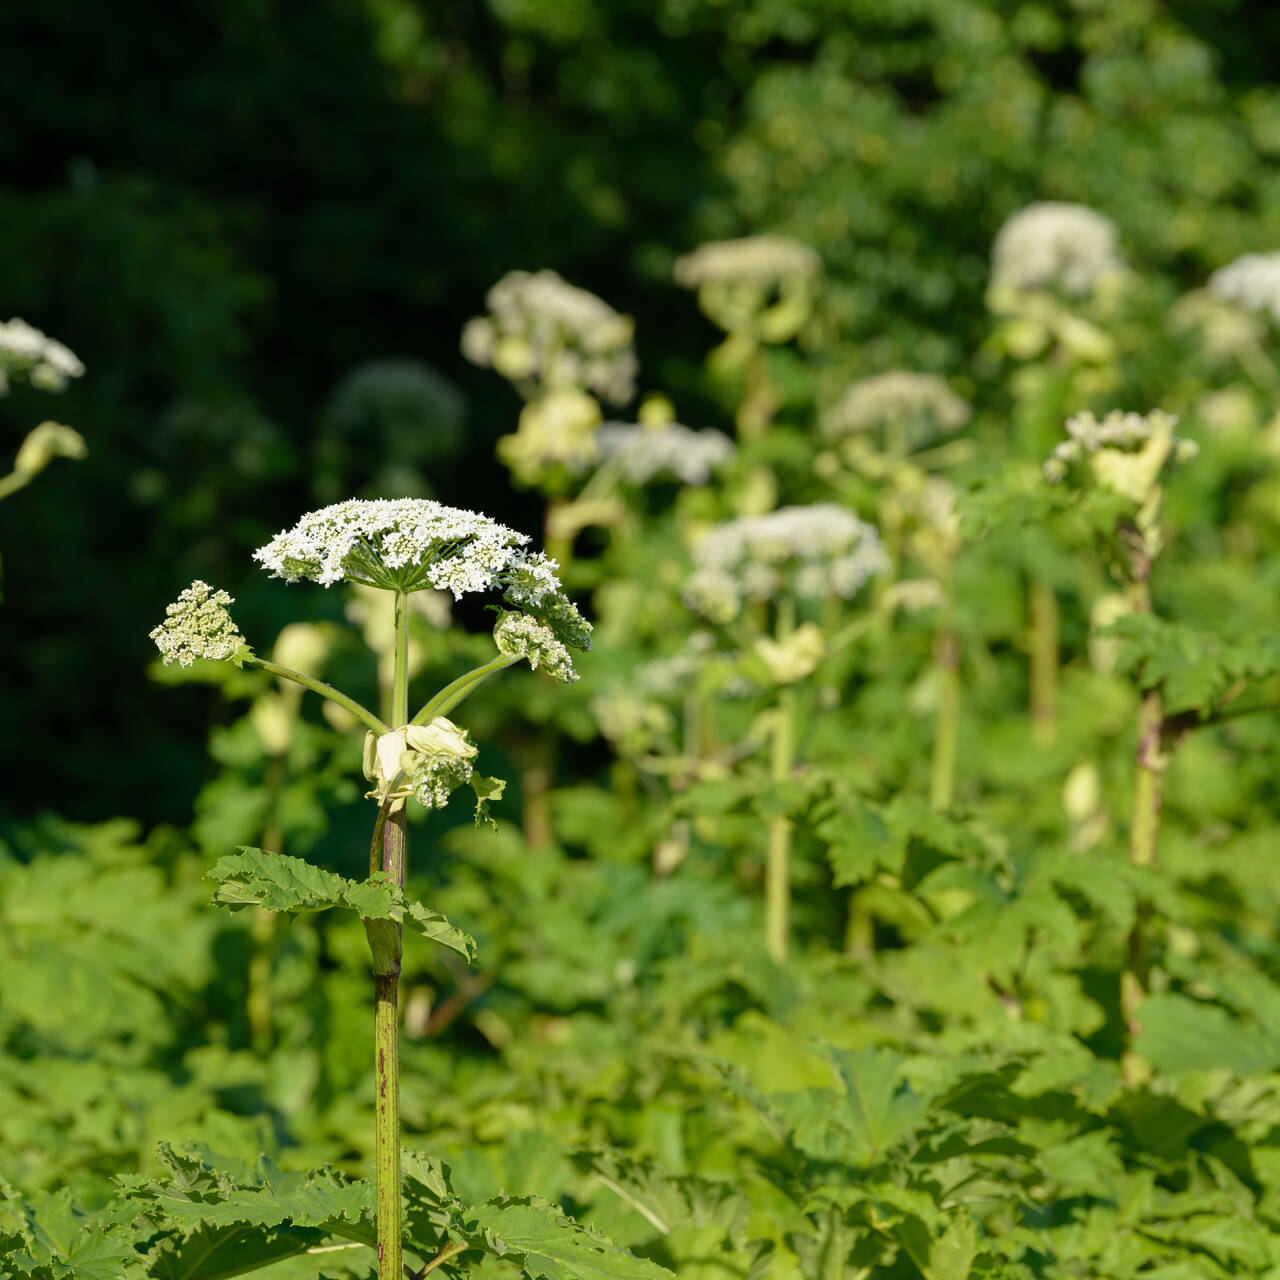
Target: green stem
[
  {"x": 14, "y": 481},
  {"x": 943, "y": 766},
  {"x": 365, "y": 716},
  {"x": 777, "y": 884},
  {"x": 386, "y": 986},
  {"x": 1144, "y": 831},
  {"x": 1043, "y": 609},
  {"x": 452, "y": 694}
]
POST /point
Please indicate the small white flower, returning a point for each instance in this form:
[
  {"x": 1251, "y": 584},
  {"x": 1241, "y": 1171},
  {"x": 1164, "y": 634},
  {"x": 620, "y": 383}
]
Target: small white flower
[
  {"x": 816, "y": 551},
  {"x": 643, "y": 452},
  {"x": 921, "y": 403},
  {"x": 197, "y": 625},
  {"x": 1052, "y": 244},
  {"x": 1251, "y": 281},
  {"x": 1125, "y": 452}
]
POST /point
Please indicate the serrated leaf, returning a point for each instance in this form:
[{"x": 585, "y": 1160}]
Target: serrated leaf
[
  {"x": 278, "y": 882},
  {"x": 549, "y": 1246}
]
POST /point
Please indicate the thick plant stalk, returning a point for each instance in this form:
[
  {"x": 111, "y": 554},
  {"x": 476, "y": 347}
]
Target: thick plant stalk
[
  {"x": 942, "y": 774},
  {"x": 1144, "y": 823},
  {"x": 1043, "y": 610},
  {"x": 386, "y": 945},
  {"x": 777, "y": 891},
  {"x": 777, "y": 882},
  {"x": 760, "y": 399}
]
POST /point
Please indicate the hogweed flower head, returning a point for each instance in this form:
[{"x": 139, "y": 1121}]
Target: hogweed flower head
[
  {"x": 542, "y": 332},
  {"x": 761, "y": 283},
  {"x": 403, "y": 544},
  {"x": 816, "y": 552},
  {"x": 557, "y": 429},
  {"x": 198, "y": 625},
  {"x": 1251, "y": 281},
  {"x": 643, "y": 451},
  {"x": 920, "y": 404},
  {"x": 1055, "y": 245},
  {"x": 25, "y": 352}
]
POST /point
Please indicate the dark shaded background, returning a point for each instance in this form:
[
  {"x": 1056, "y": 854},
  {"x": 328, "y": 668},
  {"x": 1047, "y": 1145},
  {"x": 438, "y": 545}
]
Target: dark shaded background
[{"x": 223, "y": 208}]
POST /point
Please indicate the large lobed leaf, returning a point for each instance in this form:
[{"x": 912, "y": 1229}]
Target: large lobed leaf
[{"x": 254, "y": 877}]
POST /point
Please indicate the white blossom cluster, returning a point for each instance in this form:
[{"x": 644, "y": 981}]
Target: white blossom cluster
[
  {"x": 643, "y": 452},
  {"x": 197, "y": 625},
  {"x": 410, "y": 544},
  {"x": 764, "y": 259},
  {"x": 540, "y": 329},
  {"x": 26, "y": 352},
  {"x": 815, "y": 552},
  {"x": 921, "y": 402},
  {"x": 519, "y": 635},
  {"x": 405, "y": 543},
  {"x": 1252, "y": 281},
  {"x": 1053, "y": 244}
]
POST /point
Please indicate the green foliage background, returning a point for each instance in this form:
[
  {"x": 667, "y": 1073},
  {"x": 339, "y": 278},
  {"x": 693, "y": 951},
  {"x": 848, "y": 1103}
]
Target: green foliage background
[{"x": 224, "y": 210}]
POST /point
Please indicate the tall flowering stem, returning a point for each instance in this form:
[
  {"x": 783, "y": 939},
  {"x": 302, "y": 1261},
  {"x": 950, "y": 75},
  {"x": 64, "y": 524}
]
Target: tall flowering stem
[
  {"x": 777, "y": 893},
  {"x": 399, "y": 546}
]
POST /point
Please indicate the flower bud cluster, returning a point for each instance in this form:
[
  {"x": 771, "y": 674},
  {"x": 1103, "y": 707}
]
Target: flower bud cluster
[
  {"x": 519, "y": 635},
  {"x": 197, "y": 625},
  {"x": 816, "y": 551},
  {"x": 558, "y": 429},
  {"x": 922, "y": 403},
  {"x": 643, "y": 452},
  {"x": 1055, "y": 245},
  {"x": 27, "y": 353},
  {"x": 1251, "y": 281},
  {"x": 428, "y": 762},
  {"x": 546, "y": 333}
]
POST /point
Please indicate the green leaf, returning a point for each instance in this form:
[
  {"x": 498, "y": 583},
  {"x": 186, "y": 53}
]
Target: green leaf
[
  {"x": 487, "y": 790},
  {"x": 1180, "y": 1035},
  {"x": 281, "y": 883},
  {"x": 550, "y": 1246}
]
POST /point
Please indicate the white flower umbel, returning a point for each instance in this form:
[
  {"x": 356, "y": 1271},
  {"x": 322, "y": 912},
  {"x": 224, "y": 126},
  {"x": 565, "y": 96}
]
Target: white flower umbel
[
  {"x": 921, "y": 405},
  {"x": 542, "y": 332},
  {"x": 197, "y": 625},
  {"x": 642, "y": 452},
  {"x": 817, "y": 551},
  {"x": 1055, "y": 245},
  {"x": 1252, "y": 281},
  {"x": 397, "y": 544},
  {"x": 767, "y": 259},
  {"x": 25, "y": 352}
]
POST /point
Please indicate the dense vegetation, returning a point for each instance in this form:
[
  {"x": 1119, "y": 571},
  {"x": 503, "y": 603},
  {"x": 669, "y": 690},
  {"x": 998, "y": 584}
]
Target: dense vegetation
[{"x": 892, "y": 896}]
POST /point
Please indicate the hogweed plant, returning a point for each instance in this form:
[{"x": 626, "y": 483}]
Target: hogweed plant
[
  {"x": 1057, "y": 279},
  {"x": 755, "y": 577},
  {"x": 761, "y": 291},
  {"x": 564, "y": 350},
  {"x": 400, "y": 547}
]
